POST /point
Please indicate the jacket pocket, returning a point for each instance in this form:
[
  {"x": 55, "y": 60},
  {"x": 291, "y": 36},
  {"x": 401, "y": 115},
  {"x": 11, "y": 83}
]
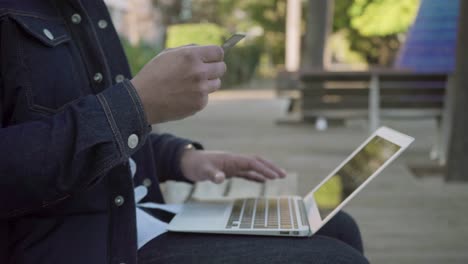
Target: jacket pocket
[{"x": 51, "y": 79}]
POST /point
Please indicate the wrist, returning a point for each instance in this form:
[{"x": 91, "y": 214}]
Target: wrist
[
  {"x": 144, "y": 101},
  {"x": 187, "y": 160}
]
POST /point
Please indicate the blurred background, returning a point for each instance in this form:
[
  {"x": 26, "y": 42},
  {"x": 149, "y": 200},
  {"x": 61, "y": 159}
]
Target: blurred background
[
  {"x": 359, "y": 33},
  {"x": 310, "y": 82}
]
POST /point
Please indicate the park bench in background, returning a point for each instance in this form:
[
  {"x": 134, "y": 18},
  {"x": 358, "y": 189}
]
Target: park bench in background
[
  {"x": 372, "y": 94},
  {"x": 375, "y": 94},
  {"x": 179, "y": 192},
  {"x": 288, "y": 86}
]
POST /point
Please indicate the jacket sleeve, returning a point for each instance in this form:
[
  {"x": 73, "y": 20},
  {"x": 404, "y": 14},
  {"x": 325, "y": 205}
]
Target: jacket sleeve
[
  {"x": 43, "y": 162},
  {"x": 168, "y": 151}
]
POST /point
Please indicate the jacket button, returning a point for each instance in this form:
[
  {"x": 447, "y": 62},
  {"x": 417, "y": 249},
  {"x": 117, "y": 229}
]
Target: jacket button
[
  {"x": 76, "y": 18},
  {"x": 97, "y": 77},
  {"x": 119, "y": 200},
  {"x": 147, "y": 182},
  {"x": 102, "y": 24},
  {"x": 132, "y": 141},
  {"x": 48, "y": 34},
  {"x": 119, "y": 78}
]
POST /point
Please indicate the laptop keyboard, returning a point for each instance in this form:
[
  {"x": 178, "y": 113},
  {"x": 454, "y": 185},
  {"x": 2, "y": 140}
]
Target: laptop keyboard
[{"x": 262, "y": 213}]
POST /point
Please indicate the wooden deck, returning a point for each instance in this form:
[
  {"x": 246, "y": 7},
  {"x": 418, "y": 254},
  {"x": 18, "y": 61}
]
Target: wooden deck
[{"x": 403, "y": 219}]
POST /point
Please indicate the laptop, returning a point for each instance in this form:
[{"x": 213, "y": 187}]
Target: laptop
[{"x": 293, "y": 215}]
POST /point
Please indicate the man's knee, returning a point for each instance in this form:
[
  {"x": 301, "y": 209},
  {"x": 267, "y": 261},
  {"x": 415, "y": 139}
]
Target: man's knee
[
  {"x": 331, "y": 250},
  {"x": 345, "y": 220},
  {"x": 343, "y": 227}
]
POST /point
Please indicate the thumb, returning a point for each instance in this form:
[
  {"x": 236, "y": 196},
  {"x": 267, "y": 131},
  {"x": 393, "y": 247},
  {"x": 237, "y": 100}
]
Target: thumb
[{"x": 215, "y": 175}]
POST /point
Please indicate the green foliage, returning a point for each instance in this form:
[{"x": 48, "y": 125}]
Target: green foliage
[
  {"x": 341, "y": 49},
  {"x": 244, "y": 15},
  {"x": 138, "y": 55},
  {"x": 382, "y": 17},
  {"x": 365, "y": 31},
  {"x": 341, "y": 17},
  {"x": 241, "y": 60},
  {"x": 374, "y": 28},
  {"x": 200, "y": 34},
  {"x": 270, "y": 15}
]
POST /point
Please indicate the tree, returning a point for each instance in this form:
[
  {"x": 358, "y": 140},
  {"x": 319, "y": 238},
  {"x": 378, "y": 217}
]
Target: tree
[
  {"x": 319, "y": 19},
  {"x": 169, "y": 12},
  {"x": 375, "y": 28},
  {"x": 268, "y": 16},
  {"x": 457, "y": 160}
]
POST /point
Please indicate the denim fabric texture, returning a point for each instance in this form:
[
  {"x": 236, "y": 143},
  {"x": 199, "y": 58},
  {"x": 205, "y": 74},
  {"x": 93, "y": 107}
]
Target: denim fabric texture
[
  {"x": 65, "y": 121},
  {"x": 339, "y": 241}
]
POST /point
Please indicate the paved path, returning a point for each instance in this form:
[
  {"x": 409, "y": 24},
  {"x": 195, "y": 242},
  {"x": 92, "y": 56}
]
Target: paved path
[{"x": 403, "y": 219}]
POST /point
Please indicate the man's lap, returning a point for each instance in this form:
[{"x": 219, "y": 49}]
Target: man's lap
[
  {"x": 205, "y": 248},
  {"x": 324, "y": 247}
]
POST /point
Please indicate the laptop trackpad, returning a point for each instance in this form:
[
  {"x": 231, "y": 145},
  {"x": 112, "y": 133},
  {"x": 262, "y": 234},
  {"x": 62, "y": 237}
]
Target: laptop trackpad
[{"x": 201, "y": 216}]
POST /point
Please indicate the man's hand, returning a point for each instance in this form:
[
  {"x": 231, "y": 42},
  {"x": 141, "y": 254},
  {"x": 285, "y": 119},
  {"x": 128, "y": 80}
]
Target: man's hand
[
  {"x": 217, "y": 166},
  {"x": 176, "y": 83}
]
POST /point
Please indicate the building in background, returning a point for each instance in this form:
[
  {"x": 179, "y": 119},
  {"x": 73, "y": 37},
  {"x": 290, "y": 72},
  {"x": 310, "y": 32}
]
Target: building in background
[{"x": 138, "y": 21}]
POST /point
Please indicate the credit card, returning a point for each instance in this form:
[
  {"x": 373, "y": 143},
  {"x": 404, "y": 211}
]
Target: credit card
[{"x": 232, "y": 41}]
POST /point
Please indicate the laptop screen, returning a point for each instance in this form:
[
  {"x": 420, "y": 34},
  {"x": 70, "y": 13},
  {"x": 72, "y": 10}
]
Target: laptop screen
[{"x": 356, "y": 171}]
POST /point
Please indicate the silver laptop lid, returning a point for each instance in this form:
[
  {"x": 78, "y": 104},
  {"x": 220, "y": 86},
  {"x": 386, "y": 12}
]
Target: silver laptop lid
[{"x": 351, "y": 176}]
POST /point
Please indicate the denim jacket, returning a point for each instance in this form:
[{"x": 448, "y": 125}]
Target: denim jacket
[{"x": 69, "y": 121}]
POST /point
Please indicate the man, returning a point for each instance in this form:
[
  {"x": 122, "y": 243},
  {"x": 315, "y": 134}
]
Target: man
[{"x": 70, "y": 119}]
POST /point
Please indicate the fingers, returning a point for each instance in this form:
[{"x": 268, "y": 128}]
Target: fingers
[
  {"x": 210, "y": 53},
  {"x": 215, "y": 70},
  {"x": 180, "y": 47},
  {"x": 218, "y": 177},
  {"x": 212, "y": 85},
  {"x": 269, "y": 164},
  {"x": 214, "y": 174},
  {"x": 253, "y": 164},
  {"x": 217, "y": 166}
]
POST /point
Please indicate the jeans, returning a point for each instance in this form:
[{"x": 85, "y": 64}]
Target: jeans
[{"x": 339, "y": 241}]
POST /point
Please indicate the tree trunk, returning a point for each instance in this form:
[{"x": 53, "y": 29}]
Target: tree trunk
[
  {"x": 457, "y": 159},
  {"x": 167, "y": 13},
  {"x": 293, "y": 35},
  {"x": 319, "y": 22}
]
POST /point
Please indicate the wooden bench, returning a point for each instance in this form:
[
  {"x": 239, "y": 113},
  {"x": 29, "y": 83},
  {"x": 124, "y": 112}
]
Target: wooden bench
[
  {"x": 375, "y": 94},
  {"x": 179, "y": 192},
  {"x": 372, "y": 94},
  {"x": 288, "y": 86}
]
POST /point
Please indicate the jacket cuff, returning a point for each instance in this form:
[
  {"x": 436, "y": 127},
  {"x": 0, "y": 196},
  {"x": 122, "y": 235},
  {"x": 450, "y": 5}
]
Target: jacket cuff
[{"x": 126, "y": 117}]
